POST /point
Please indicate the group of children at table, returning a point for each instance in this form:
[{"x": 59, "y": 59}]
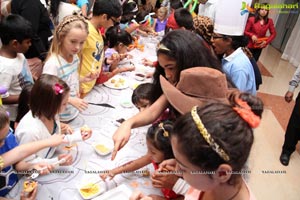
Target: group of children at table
[{"x": 201, "y": 140}]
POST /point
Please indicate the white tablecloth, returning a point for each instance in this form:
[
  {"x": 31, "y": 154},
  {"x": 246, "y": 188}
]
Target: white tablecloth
[{"x": 63, "y": 183}]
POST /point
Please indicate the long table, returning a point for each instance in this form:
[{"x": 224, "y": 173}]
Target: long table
[{"x": 63, "y": 183}]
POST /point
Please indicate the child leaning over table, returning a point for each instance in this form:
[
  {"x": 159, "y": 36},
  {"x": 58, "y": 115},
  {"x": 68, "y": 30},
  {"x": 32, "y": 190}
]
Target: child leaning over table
[
  {"x": 49, "y": 97},
  {"x": 117, "y": 41},
  {"x": 15, "y": 33},
  {"x": 8, "y": 175},
  {"x": 159, "y": 149}
]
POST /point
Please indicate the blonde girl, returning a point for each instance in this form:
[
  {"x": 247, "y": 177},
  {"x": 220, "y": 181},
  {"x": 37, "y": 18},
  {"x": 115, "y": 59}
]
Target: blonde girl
[
  {"x": 63, "y": 60},
  {"x": 161, "y": 21}
]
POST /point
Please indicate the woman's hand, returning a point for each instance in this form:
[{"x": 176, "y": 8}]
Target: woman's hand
[
  {"x": 121, "y": 137},
  {"x": 78, "y": 103},
  {"x": 263, "y": 44},
  {"x": 108, "y": 173},
  {"x": 288, "y": 96},
  {"x": 254, "y": 38}
]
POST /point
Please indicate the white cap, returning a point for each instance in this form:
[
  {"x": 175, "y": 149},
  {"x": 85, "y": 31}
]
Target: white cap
[{"x": 231, "y": 17}]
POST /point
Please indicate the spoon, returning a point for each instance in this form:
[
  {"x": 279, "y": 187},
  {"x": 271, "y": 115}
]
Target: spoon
[{"x": 89, "y": 186}]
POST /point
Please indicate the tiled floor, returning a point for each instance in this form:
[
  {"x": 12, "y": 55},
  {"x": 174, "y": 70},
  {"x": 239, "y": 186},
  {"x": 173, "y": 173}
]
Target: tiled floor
[{"x": 284, "y": 182}]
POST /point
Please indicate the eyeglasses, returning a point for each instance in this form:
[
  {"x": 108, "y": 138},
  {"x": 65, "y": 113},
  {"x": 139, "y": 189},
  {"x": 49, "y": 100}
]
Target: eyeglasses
[{"x": 116, "y": 23}]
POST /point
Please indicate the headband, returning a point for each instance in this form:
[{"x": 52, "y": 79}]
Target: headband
[{"x": 207, "y": 137}]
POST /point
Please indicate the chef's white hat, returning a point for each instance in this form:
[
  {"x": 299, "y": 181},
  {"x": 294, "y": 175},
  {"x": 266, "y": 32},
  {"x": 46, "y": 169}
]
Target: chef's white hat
[{"x": 231, "y": 17}]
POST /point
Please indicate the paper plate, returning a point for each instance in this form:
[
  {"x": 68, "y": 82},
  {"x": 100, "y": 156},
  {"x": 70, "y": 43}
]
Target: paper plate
[
  {"x": 103, "y": 146},
  {"x": 117, "y": 82},
  {"x": 95, "y": 190}
]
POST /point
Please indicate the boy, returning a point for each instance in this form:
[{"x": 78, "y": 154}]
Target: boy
[
  {"x": 106, "y": 13},
  {"x": 15, "y": 33}
]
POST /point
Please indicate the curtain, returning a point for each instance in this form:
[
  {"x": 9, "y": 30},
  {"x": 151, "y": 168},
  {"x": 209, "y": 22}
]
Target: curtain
[{"x": 291, "y": 52}]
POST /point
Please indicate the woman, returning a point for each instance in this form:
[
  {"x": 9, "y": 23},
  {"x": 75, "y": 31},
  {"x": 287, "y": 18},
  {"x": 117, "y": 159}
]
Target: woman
[
  {"x": 256, "y": 29},
  {"x": 178, "y": 50}
]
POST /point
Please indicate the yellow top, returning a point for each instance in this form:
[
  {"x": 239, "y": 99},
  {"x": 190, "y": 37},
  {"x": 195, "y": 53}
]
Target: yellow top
[{"x": 92, "y": 57}]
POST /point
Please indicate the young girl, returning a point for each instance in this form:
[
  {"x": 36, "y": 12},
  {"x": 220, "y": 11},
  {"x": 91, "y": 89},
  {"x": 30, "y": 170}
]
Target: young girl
[
  {"x": 63, "y": 60},
  {"x": 219, "y": 147},
  {"x": 172, "y": 52},
  {"x": 256, "y": 30},
  {"x": 49, "y": 97},
  {"x": 160, "y": 22},
  {"x": 159, "y": 149}
]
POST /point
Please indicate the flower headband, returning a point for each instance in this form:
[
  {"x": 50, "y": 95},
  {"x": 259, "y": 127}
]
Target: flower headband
[
  {"x": 206, "y": 135},
  {"x": 58, "y": 88},
  {"x": 244, "y": 110}
]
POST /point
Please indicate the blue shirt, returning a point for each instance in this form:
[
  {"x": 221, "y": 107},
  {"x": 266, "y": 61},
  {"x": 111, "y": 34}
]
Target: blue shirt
[
  {"x": 8, "y": 176},
  {"x": 238, "y": 67}
]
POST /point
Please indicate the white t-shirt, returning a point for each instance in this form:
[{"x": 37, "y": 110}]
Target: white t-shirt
[
  {"x": 32, "y": 129},
  {"x": 14, "y": 75},
  {"x": 58, "y": 66}
]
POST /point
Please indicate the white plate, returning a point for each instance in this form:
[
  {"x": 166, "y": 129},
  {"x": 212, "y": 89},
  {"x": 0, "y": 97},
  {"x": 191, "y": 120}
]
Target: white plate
[
  {"x": 99, "y": 147},
  {"x": 127, "y": 104},
  {"x": 100, "y": 186},
  {"x": 139, "y": 76},
  {"x": 118, "y": 193},
  {"x": 117, "y": 82}
]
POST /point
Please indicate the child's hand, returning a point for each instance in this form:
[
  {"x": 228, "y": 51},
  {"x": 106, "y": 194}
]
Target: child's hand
[
  {"x": 68, "y": 159},
  {"x": 138, "y": 195},
  {"x": 106, "y": 174},
  {"x": 86, "y": 134},
  {"x": 78, "y": 103},
  {"x": 43, "y": 168},
  {"x": 169, "y": 164},
  {"x": 65, "y": 128},
  {"x": 127, "y": 68},
  {"x": 147, "y": 62},
  {"x": 30, "y": 196},
  {"x": 90, "y": 77},
  {"x": 55, "y": 140},
  {"x": 161, "y": 180}
]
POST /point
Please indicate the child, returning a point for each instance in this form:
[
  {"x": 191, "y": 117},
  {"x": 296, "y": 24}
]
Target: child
[
  {"x": 161, "y": 21},
  {"x": 117, "y": 41},
  {"x": 105, "y": 14},
  {"x": 218, "y": 145},
  {"x": 8, "y": 175},
  {"x": 142, "y": 96},
  {"x": 15, "y": 34},
  {"x": 64, "y": 62},
  {"x": 159, "y": 149},
  {"x": 23, "y": 106},
  {"x": 145, "y": 22},
  {"x": 49, "y": 97}
]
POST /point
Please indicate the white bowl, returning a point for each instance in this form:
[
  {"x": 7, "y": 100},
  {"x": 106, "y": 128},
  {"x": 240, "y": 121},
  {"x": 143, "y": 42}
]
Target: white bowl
[{"x": 103, "y": 148}]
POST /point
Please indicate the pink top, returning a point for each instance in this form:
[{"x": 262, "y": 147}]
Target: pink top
[
  {"x": 259, "y": 30},
  {"x": 194, "y": 194}
]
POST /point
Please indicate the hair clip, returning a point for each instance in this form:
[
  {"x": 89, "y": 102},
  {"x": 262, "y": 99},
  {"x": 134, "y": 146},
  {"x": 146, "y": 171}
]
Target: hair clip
[
  {"x": 206, "y": 135},
  {"x": 8, "y": 114},
  {"x": 58, "y": 88},
  {"x": 245, "y": 112},
  {"x": 163, "y": 47},
  {"x": 165, "y": 133}
]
